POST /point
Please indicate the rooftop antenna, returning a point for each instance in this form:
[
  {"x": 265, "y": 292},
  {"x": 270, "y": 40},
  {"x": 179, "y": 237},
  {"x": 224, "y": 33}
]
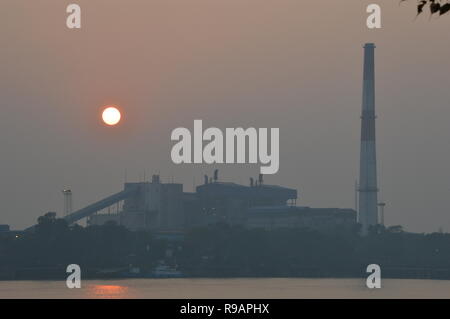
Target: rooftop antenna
[
  {"x": 67, "y": 193},
  {"x": 216, "y": 175}
]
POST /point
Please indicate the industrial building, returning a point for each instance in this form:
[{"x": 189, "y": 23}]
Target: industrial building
[
  {"x": 163, "y": 207},
  {"x": 149, "y": 205},
  {"x": 230, "y": 202}
]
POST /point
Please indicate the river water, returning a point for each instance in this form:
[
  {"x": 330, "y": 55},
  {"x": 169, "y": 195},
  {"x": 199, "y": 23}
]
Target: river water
[{"x": 227, "y": 288}]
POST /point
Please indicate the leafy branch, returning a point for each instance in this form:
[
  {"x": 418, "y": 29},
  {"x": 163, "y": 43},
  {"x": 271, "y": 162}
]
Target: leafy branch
[{"x": 439, "y": 7}]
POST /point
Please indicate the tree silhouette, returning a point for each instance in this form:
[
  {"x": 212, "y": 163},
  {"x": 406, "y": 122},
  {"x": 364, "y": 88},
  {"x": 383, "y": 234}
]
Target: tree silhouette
[{"x": 439, "y": 7}]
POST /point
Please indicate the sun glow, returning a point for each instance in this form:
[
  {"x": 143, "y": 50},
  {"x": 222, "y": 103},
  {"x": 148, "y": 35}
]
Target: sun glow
[{"x": 111, "y": 115}]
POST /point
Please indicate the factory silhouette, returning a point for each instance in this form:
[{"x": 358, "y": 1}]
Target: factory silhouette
[
  {"x": 159, "y": 206},
  {"x": 162, "y": 206}
]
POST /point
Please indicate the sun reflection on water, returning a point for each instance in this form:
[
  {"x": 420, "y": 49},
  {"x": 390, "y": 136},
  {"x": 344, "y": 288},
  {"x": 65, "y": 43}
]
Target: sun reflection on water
[{"x": 108, "y": 291}]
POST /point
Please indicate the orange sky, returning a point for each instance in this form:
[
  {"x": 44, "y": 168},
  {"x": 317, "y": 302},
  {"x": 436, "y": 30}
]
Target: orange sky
[{"x": 296, "y": 65}]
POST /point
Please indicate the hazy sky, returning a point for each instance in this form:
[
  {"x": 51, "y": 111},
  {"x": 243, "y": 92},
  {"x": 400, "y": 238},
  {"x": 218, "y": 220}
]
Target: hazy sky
[{"x": 296, "y": 65}]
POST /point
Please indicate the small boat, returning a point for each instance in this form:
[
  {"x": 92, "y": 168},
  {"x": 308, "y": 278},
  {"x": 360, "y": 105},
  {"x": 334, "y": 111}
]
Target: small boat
[{"x": 165, "y": 271}]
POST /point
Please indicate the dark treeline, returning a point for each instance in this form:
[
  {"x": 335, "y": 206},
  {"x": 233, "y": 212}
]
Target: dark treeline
[
  {"x": 54, "y": 244},
  {"x": 223, "y": 250}
]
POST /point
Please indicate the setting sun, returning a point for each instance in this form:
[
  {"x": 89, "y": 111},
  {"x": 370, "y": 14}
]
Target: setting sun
[{"x": 111, "y": 115}]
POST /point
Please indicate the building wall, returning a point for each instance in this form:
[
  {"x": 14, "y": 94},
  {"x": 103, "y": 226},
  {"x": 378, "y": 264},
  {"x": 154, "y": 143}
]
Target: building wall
[
  {"x": 155, "y": 206},
  {"x": 134, "y": 220},
  {"x": 173, "y": 206},
  {"x": 322, "y": 219}
]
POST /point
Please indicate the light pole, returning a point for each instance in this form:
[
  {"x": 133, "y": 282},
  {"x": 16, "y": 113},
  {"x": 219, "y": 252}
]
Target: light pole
[{"x": 381, "y": 206}]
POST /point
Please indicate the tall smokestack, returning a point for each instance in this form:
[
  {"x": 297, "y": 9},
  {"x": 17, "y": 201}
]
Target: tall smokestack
[{"x": 368, "y": 159}]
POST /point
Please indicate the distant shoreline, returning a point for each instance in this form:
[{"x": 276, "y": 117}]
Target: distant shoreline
[{"x": 411, "y": 274}]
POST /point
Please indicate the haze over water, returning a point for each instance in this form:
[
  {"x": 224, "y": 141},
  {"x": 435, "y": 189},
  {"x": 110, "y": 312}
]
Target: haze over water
[{"x": 270, "y": 288}]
